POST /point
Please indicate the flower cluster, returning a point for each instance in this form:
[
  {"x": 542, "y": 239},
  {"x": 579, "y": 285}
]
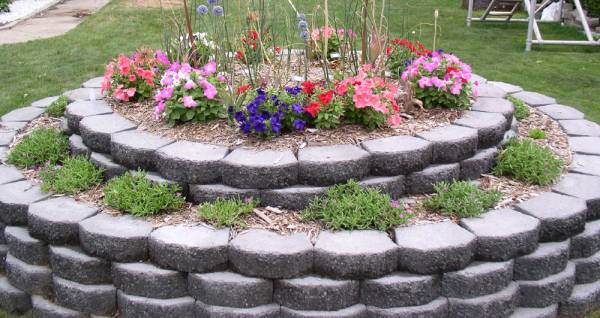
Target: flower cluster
[
  {"x": 269, "y": 113},
  {"x": 334, "y": 38},
  {"x": 217, "y": 10},
  {"x": 135, "y": 77},
  {"x": 250, "y": 51},
  {"x": 441, "y": 79},
  {"x": 400, "y": 52},
  {"x": 189, "y": 94}
]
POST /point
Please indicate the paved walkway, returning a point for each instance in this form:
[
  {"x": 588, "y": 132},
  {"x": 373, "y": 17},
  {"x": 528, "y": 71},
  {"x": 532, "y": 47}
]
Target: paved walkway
[{"x": 58, "y": 20}]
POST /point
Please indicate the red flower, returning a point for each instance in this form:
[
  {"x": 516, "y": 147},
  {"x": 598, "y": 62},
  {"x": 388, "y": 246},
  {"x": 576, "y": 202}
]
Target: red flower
[
  {"x": 239, "y": 55},
  {"x": 313, "y": 109},
  {"x": 308, "y": 87},
  {"x": 325, "y": 98},
  {"x": 243, "y": 89},
  {"x": 451, "y": 69},
  {"x": 253, "y": 34},
  {"x": 388, "y": 50},
  {"x": 277, "y": 49}
]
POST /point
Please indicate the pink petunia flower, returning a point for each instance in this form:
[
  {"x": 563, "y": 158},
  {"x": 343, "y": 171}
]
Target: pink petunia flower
[
  {"x": 210, "y": 91},
  {"x": 209, "y": 68},
  {"x": 189, "y": 102},
  {"x": 189, "y": 85}
]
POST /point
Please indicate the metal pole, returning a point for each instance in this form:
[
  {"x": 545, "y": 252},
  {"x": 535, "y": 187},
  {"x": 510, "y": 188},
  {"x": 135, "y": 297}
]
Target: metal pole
[
  {"x": 532, "y": 6},
  {"x": 470, "y": 14},
  {"x": 584, "y": 22}
]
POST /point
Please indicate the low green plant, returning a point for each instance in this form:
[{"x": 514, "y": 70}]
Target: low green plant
[
  {"x": 58, "y": 107},
  {"x": 461, "y": 199},
  {"x": 75, "y": 175},
  {"x": 4, "y": 5},
  {"x": 43, "y": 145},
  {"x": 521, "y": 110},
  {"x": 536, "y": 134},
  {"x": 525, "y": 160},
  {"x": 139, "y": 196},
  {"x": 227, "y": 212},
  {"x": 350, "y": 207}
]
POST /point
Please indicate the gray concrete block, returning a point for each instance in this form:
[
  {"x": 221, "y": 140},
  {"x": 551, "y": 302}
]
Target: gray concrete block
[
  {"x": 495, "y": 105},
  {"x": 580, "y": 128},
  {"x": 122, "y": 238},
  {"x": 10, "y": 174},
  {"x": 561, "y": 216},
  {"x": 32, "y": 279},
  {"x": 96, "y": 130},
  {"x": 316, "y": 293},
  {"x": 90, "y": 299},
  {"x": 15, "y": 199},
  {"x": 229, "y": 289},
  {"x": 587, "y": 269},
  {"x": 24, "y": 247},
  {"x": 451, "y": 143},
  {"x": 260, "y": 169},
  {"x": 477, "y": 79},
  {"x": 264, "y": 311},
  {"x": 13, "y": 125},
  {"x": 71, "y": 263},
  {"x": 434, "y": 248},
  {"x": 393, "y": 186},
  {"x": 293, "y": 198},
  {"x": 327, "y": 165},
  {"x": 586, "y": 243},
  {"x": 490, "y": 127},
  {"x": 3, "y": 253},
  {"x": 398, "y": 155},
  {"x": 548, "y": 291},
  {"x": 134, "y": 306},
  {"x": 136, "y": 149},
  {"x": 489, "y": 90},
  {"x": 3, "y": 153},
  {"x": 585, "y": 145},
  {"x": 77, "y": 147},
  {"x": 354, "y": 254},
  {"x": 56, "y": 220},
  {"x": 534, "y": 99},
  {"x": 45, "y": 102},
  {"x": 422, "y": 182},
  {"x": 500, "y": 304},
  {"x": 548, "y": 259},
  {"x": 63, "y": 126},
  {"x": 584, "y": 187},
  {"x": 435, "y": 309},
  {"x": 13, "y": 299},
  {"x": 7, "y": 137},
  {"x": 95, "y": 82},
  {"x": 356, "y": 311},
  {"x": 105, "y": 162},
  {"x": 400, "y": 290},
  {"x": 483, "y": 162},
  {"x": 147, "y": 280},
  {"x": 506, "y": 87},
  {"x": 200, "y": 193},
  {"x": 561, "y": 112},
  {"x": 82, "y": 94},
  {"x": 43, "y": 308},
  {"x": 583, "y": 299},
  {"x": 189, "y": 249},
  {"x": 266, "y": 254},
  {"x": 76, "y": 111},
  {"x": 478, "y": 279},
  {"x": 23, "y": 114},
  {"x": 503, "y": 234},
  {"x": 191, "y": 162},
  {"x": 547, "y": 312},
  {"x": 585, "y": 164}
]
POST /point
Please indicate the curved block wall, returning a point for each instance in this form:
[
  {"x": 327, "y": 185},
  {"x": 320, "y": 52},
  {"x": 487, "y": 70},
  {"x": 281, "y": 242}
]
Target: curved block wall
[{"x": 63, "y": 258}]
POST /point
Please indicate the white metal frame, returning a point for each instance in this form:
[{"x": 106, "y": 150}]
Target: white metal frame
[{"x": 533, "y": 9}]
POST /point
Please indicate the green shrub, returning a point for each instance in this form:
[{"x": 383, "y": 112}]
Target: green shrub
[
  {"x": 58, "y": 107},
  {"x": 4, "y": 5},
  {"x": 521, "y": 110},
  {"x": 139, "y": 196},
  {"x": 525, "y": 160},
  {"x": 536, "y": 134},
  {"x": 593, "y": 7},
  {"x": 76, "y": 174},
  {"x": 461, "y": 199},
  {"x": 350, "y": 207},
  {"x": 43, "y": 145},
  {"x": 227, "y": 212}
]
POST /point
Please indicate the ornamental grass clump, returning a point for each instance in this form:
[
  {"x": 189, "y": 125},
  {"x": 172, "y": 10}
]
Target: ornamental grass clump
[
  {"x": 527, "y": 161},
  {"x": 350, "y": 207},
  {"x": 139, "y": 196},
  {"x": 58, "y": 107},
  {"x": 42, "y": 146},
  {"x": 227, "y": 212},
  {"x": 521, "y": 110},
  {"x": 461, "y": 199},
  {"x": 76, "y": 174}
]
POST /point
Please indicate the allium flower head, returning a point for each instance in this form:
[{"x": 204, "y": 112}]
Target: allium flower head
[
  {"x": 202, "y": 9},
  {"x": 212, "y": 2},
  {"x": 217, "y": 11},
  {"x": 303, "y": 25},
  {"x": 301, "y": 16},
  {"x": 304, "y": 35}
]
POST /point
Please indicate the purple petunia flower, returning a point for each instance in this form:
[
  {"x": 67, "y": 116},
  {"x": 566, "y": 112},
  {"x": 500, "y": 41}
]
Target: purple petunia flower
[
  {"x": 240, "y": 117},
  {"x": 299, "y": 124},
  {"x": 202, "y": 9},
  {"x": 245, "y": 127},
  {"x": 297, "y": 108},
  {"x": 293, "y": 90},
  {"x": 265, "y": 115}
]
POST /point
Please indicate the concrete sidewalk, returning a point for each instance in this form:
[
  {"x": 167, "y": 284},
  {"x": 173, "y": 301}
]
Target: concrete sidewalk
[{"x": 55, "y": 21}]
